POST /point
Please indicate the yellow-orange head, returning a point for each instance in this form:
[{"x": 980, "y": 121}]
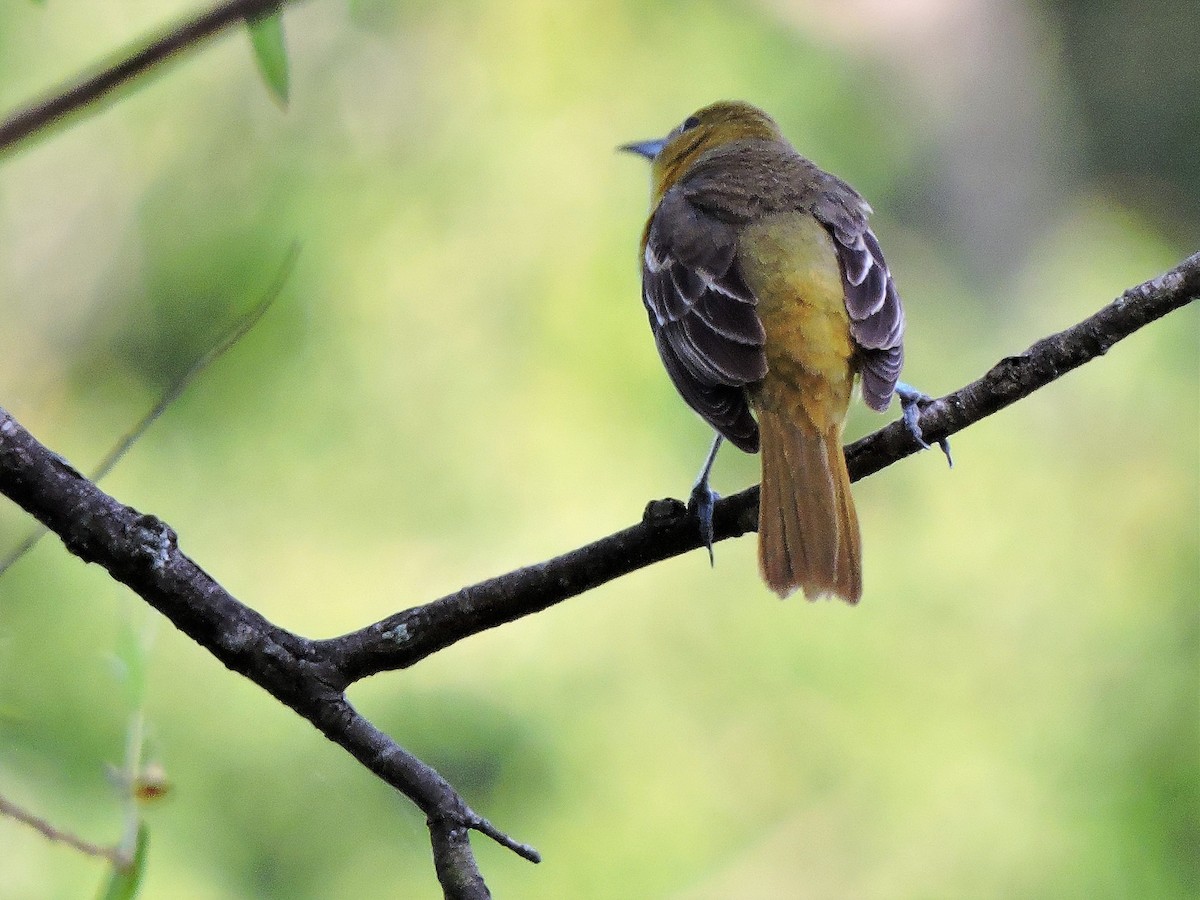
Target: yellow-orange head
[{"x": 720, "y": 123}]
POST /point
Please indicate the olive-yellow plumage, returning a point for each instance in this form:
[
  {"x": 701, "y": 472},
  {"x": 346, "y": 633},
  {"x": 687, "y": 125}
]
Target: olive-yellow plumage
[
  {"x": 767, "y": 292},
  {"x": 808, "y": 529}
]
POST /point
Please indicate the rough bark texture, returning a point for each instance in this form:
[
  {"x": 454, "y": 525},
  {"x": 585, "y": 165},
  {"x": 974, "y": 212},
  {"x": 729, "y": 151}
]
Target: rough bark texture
[{"x": 311, "y": 676}]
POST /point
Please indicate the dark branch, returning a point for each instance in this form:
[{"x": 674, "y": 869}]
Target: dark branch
[
  {"x": 455, "y": 863},
  {"x": 667, "y": 529},
  {"x": 90, "y": 88},
  {"x": 1018, "y": 376},
  {"x": 310, "y": 676},
  {"x": 143, "y": 553}
]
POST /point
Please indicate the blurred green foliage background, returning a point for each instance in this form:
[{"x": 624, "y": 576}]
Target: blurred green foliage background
[{"x": 459, "y": 380}]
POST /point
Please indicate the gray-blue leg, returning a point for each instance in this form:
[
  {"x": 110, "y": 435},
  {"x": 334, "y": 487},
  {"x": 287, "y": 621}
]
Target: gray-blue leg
[
  {"x": 911, "y": 403},
  {"x": 704, "y": 498}
]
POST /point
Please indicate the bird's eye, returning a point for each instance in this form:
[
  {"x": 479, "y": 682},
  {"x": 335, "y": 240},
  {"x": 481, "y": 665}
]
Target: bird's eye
[{"x": 690, "y": 122}]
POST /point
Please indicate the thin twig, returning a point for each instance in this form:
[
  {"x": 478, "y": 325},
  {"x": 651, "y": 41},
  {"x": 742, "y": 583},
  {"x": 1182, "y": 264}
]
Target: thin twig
[
  {"x": 87, "y": 89},
  {"x": 238, "y": 330},
  {"x": 483, "y": 826},
  {"x": 10, "y": 809}
]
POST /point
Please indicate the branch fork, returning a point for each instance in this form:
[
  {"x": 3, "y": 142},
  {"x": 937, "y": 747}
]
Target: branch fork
[{"x": 310, "y": 676}]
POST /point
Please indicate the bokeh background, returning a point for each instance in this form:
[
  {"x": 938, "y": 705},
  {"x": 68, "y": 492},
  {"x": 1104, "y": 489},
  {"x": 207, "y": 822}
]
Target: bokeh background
[{"x": 458, "y": 380}]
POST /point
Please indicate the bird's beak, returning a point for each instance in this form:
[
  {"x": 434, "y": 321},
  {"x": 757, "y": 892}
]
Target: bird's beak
[{"x": 648, "y": 149}]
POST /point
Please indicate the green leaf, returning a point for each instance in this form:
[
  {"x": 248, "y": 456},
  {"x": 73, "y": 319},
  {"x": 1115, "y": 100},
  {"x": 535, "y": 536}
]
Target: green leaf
[
  {"x": 266, "y": 36},
  {"x": 123, "y": 883}
]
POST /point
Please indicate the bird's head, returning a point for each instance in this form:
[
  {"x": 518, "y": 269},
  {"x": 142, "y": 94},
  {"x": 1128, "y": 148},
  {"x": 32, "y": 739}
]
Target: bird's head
[{"x": 707, "y": 128}]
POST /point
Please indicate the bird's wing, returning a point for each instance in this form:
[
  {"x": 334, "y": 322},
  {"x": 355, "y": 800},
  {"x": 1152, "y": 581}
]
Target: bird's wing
[
  {"x": 703, "y": 316},
  {"x": 876, "y": 314}
]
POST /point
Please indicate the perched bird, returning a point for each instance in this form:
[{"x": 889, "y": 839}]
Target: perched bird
[{"x": 768, "y": 294}]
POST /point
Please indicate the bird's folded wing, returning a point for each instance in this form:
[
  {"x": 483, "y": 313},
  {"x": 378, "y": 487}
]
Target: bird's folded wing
[
  {"x": 876, "y": 314},
  {"x": 703, "y": 316}
]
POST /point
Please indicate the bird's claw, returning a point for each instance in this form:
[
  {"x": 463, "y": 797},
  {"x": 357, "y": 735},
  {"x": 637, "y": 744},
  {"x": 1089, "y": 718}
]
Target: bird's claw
[
  {"x": 701, "y": 504},
  {"x": 912, "y": 401}
]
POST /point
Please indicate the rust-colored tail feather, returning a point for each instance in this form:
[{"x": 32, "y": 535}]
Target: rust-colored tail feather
[{"x": 808, "y": 535}]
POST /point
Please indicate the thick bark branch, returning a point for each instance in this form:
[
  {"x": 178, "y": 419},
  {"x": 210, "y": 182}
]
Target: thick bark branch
[
  {"x": 1018, "y": 376},
  {"x": 310, "y": 676},
  {"x": 143, "y": 553},
  {"x": 667, "y": 529},
  {"x": 88, "y": 89}
]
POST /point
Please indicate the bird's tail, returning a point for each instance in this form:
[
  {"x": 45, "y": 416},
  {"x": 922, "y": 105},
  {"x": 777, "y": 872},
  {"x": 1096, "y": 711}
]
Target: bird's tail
[{"x": 808, "y": 535}]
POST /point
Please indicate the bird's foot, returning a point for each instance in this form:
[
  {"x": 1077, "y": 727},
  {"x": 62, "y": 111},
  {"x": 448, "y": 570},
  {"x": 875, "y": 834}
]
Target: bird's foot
[
  {"x": 912, "y": 401},
  {"x": 701, "y": 504}
]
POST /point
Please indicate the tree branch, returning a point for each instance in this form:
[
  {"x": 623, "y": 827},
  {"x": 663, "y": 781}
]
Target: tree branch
[
  {"x": 87, "y": 89},
  {"x": 311, "y": 676},
  {"x": 143, "y": 553},
  {"x": 10, "y": 809},
  {"x": 667, "y": 529}
]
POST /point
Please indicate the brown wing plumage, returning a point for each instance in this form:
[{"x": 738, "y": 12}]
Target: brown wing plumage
[
  {"x": 703, "y": 316},
  {"x": 876, "y": 314},
  {"x": 769, "y": 181}
]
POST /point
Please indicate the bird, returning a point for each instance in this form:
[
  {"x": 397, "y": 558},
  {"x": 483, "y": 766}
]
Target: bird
[{"x": 770, "y": 303}]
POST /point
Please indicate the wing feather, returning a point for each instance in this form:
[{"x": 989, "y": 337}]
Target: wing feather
[
  {"x": 703, "y": 317},
  {"x": 872, "y": 301}
]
